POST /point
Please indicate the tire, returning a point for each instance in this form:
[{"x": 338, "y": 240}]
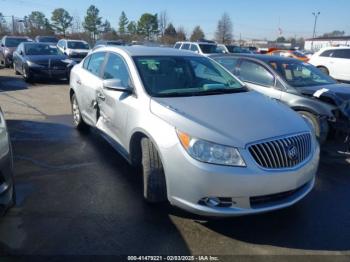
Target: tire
[
  {"x": 154, "y": 184},
  {"x": 26, "y": 75},
  {"x": 320, "y": 126},
  {"x": 323, "y": 69},
  {"x": 78, "y": 120},
  {"x": 15, "y": 70}
]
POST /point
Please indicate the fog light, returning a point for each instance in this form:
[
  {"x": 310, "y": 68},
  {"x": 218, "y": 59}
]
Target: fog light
[{"x": 212, "y": 201}]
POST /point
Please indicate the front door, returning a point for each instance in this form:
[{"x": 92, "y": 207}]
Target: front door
[{"x": 113, "y": 104}]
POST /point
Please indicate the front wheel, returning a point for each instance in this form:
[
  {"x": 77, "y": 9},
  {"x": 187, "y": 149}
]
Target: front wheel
[
  {"x": 15, "y": 69},
  {"x": 27, "y": 75},
  {"x": 154, "y": 184},
  {"x": 78, "y": 121},
  {"x": 319, "y": 126}
]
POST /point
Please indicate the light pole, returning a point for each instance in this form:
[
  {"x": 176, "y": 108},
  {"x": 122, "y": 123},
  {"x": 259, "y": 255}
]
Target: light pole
[{"x": 314, "y": 33}]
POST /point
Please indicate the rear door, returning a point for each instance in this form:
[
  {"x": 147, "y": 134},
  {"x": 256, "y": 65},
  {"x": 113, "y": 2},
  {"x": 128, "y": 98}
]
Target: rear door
[
  {"x": 259, "y": 78},
  {"x": 88, "y": 81},
  {"x": 341, "y": 64}
]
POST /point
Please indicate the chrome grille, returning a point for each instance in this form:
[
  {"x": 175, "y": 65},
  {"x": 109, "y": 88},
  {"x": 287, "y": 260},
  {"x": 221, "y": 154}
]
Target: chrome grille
[{"x": 282, "y": 153}]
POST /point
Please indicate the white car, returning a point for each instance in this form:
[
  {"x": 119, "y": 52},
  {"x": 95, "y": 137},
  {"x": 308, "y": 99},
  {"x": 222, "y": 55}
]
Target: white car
[
  {"x": 202, "y": 48},
  {"x": 334, "y": 61},
  {"x": 75, "y": 49}
]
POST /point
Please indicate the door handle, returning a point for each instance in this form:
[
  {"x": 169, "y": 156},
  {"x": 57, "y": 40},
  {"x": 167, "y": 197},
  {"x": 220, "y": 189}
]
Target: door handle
[
  {"x": 101, "y": 96},
  {"x": 78, "y": 82}
]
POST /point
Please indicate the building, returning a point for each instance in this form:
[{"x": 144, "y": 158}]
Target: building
[{"x": 315, "y": 44}]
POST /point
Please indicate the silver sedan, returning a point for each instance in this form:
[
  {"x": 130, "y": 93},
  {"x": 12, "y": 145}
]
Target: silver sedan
[
  {"x": 7, "y": 191},
  {"x": 204, "y": 141}
]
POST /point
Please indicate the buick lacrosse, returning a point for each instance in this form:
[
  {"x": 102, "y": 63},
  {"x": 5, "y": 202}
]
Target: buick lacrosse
[{"x": 204, "y": 141}]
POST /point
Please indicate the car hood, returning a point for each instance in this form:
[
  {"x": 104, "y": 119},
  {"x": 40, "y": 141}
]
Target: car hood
[
  {"x": 338, "y": 93},
  {"x": 230, "y": 119}
]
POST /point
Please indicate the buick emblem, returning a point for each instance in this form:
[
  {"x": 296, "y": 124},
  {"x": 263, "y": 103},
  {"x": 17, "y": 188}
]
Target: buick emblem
[{"x": 292, "y": 152}]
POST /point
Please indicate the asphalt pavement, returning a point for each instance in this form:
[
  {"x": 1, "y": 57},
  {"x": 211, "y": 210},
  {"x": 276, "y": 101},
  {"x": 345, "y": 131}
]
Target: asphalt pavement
[{"x": 77, "y": 196}]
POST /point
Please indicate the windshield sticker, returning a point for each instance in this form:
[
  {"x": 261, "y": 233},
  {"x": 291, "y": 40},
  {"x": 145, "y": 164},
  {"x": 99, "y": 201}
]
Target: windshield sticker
[{"x": 319, "y": 92}]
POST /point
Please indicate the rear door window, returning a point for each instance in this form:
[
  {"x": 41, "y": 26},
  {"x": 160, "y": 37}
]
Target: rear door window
[
  {"x": 254, "y": 73},
  {"x": 185, "y": 46},
  {"x": 342, "y": 53},
  {"x": 194, "y": 48}
]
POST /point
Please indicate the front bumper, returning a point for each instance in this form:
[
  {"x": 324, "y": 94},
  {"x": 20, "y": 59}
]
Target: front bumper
[
  {"x": 190, "y": 181},
  {"x": 49, "y": 73}
]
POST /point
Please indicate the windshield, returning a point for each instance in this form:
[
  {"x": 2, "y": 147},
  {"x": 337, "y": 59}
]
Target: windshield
[
  {"x": 166, "y": 76},
  {"x": 14, "y": 42},
  {"x": 40, "y": 49},
  {"x": 48, "y": 39},
  {"x": 77, "y": 45},
  {"x": 208, "y": 49},
  {"x": 237, "y": 49},
  {"x": 298, "y": 74}
]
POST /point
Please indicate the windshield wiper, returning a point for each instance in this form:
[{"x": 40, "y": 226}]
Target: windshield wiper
[{"x": 204, "y": 93}]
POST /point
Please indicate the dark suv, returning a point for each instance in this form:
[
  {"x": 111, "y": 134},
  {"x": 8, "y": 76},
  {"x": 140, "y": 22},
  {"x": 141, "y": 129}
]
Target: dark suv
[{"x": 8, "y": 46}]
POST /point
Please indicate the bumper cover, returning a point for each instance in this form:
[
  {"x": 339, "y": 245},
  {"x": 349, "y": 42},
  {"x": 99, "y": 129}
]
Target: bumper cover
[{"x": 195, "y": 180}]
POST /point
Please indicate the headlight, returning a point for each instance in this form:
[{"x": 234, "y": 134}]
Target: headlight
[
  {"x": 2, "y": 120},
  {"x": 31, "y": 64},
  {"x": 208, "y": 152}
]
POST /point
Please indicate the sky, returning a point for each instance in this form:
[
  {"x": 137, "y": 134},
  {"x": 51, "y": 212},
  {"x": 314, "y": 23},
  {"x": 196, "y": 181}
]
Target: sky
[{"x": 252, "y": 19}]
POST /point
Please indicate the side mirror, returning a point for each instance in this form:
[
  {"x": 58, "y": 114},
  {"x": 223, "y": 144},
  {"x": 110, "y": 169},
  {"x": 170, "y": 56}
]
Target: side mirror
[
  {"x": 116, "y": 84},
  {"x": 2, "y": 45},
  {"x": 21, "y": 52}
]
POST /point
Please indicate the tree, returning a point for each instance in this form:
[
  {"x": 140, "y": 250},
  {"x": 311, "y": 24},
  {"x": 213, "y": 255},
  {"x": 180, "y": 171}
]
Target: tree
[
  {"x": 163, "y": 22},
  {"x": 281, "y": 39},
  {"x": 92, "y": 21},
  {"x": 61, "y": 20},
  {"x": 148, "y": 25},
  {"x": 170, "y": 35},
  {"x": 197, "y": 34},
  {"x": 106, "y": 27},
  {"x": 224, "y": 30},
  {"x": 180, "y": 34},
  {"x": 335, "y": 33},
  {"x": 132, "y": 28},
  {"x": 123, "y": 23},
  {"x": 3, "y": 24},
  {"x": 36, "y": 24},
  {"x": 76, "y": 23}
]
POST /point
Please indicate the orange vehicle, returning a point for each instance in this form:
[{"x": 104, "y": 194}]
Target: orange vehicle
[{"x": 289, "y": 53}]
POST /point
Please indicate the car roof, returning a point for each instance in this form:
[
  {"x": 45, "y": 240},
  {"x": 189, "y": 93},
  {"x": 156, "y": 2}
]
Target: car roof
[
  {"x": 334, "y": 48},
  {"x": 263, "y": 58},
  {"x": 16, "y": 36},
  {"x": 137, "y": 50},
  {"x": 74, "y": 40}
]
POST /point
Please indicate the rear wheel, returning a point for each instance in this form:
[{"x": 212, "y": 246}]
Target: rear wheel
[
  {"x": 78, "y": 121},
  {"x": 319, "y": 126},
  {"x": 154, "y": 184},
  {"x": 323, "y": 69}
]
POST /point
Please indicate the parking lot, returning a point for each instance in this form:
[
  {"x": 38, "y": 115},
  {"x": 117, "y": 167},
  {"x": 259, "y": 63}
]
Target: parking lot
[{"x": 77, "y": 196}]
